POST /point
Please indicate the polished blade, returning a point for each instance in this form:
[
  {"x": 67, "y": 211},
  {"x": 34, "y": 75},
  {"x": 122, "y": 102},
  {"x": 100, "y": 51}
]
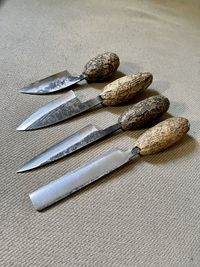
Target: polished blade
[
  {"x": 52, "y": 84},
  {"x": 60, "y": 109},
  {"x": 77, "y": 179},
  {"x": 76, "y": 141}
]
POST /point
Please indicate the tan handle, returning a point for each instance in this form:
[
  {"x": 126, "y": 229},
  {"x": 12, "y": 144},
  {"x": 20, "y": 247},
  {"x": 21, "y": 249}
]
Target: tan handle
[
  {"x": 144, "y": 112},
  {"x": 163, "y": 135},
  {"x": 125, "y": 88},
  {"x": 101, "y": 67}
]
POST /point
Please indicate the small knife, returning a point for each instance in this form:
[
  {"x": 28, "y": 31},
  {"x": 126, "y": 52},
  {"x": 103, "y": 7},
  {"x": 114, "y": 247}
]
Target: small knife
[
  {"x": 136, "y": 117},
  {"x": 68, "y": 106},
  {"x": 157, "y": 138},
  {"x": 97, "y": 69}
]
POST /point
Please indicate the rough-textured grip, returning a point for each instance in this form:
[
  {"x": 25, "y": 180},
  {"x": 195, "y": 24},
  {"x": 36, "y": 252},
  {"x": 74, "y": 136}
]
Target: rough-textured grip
[
  {"x": 163, "y": 135},
  {"x": 101, "y": 67},
  {"x": 144, "y": 112},
  {"x": 125, "y": 88}
]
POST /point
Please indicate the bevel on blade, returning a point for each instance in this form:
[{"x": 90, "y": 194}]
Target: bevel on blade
[
  {"x": 51, "y": 84},
  {"x": 61, "y": 149}
]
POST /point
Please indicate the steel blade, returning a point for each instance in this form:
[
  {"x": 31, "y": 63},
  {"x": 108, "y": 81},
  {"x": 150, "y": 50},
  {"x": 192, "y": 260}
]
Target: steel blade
[
  {"x": 60, "y": 109},
  {"x": 75, "y": 142},
  {"x": 77, "y": 179},
  {"x": 52, "y": 84}
]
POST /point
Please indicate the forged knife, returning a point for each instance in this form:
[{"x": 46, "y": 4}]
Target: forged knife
[
  {"x": 152, "y": 141},
  {"x": 97, "y": 69},
  {"x": 136, "y": 117},
  {"x": 68, "y": 106}
]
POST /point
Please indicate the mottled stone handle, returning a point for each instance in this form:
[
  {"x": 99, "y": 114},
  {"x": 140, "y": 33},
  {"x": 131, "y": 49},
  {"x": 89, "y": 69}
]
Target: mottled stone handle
[
  {"x": 125, "y": 88},
  {"x": 101, "y": 67},
  {"x": 163, "y": 135},
  {"x": 144, "y": 112}
]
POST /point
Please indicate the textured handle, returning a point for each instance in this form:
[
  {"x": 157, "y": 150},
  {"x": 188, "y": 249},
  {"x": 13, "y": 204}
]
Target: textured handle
[
  {"x": 125, "y": 88},
  {"x": 163, "y": 135},
  {"x": 144, "y": 112},
  {"x": 101, "y": 67}
]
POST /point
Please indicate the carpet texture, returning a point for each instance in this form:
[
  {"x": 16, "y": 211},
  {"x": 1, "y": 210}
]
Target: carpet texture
[{"x": 144, "y": 214}]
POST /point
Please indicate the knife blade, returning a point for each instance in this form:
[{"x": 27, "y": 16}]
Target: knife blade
[
  {"x": 68, "y": 106},
  {"x": 154, "y": 140},
  {"x": 145, "y": 111},
  {"x": 97, "y": 69}
]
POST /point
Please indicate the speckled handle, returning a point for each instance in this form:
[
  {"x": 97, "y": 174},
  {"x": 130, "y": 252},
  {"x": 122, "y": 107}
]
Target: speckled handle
[
  {"x": 101, "y": 67},
  {"x": 144, "y": 112},
  {"x": 163, "y": 135},
  {"x": 125, "y": 88}
]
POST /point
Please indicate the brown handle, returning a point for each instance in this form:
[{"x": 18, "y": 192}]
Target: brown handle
[
  {"x": 144, "y": 112},
  {"x": 163, "y": 135},
  {"x": 101, "y": 67},
  {"x": 125, "y": 88}
]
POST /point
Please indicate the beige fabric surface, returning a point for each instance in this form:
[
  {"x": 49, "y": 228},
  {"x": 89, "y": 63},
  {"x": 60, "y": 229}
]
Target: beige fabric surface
[{"x": 144, "y": 214}]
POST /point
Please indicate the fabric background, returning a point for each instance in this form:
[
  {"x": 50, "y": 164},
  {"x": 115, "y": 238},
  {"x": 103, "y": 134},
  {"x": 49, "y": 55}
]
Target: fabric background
[{"x": 146, "y": 213}]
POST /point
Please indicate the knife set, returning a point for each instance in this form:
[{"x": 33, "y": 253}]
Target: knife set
[{"x": 98, "y": 69}]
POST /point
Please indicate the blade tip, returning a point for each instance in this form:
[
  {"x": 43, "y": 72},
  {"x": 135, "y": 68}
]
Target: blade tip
[
  {"x": 24, "y": 91},
  {"x": 20, "y": 128},
  {"x": 24, "y": 127},
  {"x": 30, "y": 91},
  {"x": 21, "y": 170},
  {"x": 24, "y": 169}
]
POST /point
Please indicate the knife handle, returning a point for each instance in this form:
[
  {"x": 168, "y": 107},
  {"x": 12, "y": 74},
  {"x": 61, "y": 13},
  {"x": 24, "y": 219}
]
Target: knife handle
[
  {"x": 163, "y": 135},
  {"x": 144, "y": 112},
  {"x": 101, "y": 67},
  {"x": 125, "y": 88}
]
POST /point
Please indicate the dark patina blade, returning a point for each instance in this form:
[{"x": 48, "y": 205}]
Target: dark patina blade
[
  {"x": 52, "y": 84},
  {"x": 58, "y": 110},
  {"x": 75, "y": 142}
]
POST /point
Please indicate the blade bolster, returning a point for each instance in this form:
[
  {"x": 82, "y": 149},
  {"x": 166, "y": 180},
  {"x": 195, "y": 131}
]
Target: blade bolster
[{"x": 135, "y": 153}]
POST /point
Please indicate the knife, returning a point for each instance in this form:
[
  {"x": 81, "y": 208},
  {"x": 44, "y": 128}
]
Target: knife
[
  {"x": 157, "y": 138},
  {"x": 97, "y": 69},
  {"x": 65, "y": 107},
  {"x": 136, "y": 117}
]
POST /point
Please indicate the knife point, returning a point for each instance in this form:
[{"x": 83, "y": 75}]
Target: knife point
[
  {"x": 20, "y": 170},
  {"x": 24, "y": 127},
  {"x": 23, "y": 91},
  {"x": 24, "y": 169},
  {"x": 27, "y": 92},
  {"x": 21, "y": 128}
]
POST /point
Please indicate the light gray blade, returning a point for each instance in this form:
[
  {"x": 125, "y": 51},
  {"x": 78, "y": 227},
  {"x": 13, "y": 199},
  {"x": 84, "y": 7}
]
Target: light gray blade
[
  {"x": 76, "y": 141},
  {"x": 60, "y": 109},
  {"x": 77, "y": 179},
  {"x": 52, "y": 84}
]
